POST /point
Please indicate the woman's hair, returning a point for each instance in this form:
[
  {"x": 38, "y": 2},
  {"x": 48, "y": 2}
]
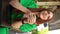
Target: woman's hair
[{"x": 39, "y": 20}]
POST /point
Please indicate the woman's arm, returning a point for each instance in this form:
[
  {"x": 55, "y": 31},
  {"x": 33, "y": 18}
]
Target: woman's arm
[
  {"x": 16, "y": 25},
  {"x": 17, "y": 5}
]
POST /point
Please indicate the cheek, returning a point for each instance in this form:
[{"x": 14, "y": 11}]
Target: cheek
[{"x": 43, "y": 17}]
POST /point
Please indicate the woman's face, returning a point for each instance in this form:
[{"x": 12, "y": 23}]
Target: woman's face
[{"x": 44, "y": 15}]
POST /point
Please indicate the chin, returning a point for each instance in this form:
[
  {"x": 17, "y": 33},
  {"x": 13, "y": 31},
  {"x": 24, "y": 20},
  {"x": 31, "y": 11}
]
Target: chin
[{"x": 40, "y": 21}]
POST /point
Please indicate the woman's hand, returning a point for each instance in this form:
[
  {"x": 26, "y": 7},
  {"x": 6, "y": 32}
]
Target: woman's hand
[
  {"x": 16, "y": 25},
  {"x": 31, "y": 18}
]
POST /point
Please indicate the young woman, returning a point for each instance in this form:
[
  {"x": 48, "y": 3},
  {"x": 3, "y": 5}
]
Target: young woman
[
  {"x": 22, "y": 5},
  {"x": 43, "y": 16}
]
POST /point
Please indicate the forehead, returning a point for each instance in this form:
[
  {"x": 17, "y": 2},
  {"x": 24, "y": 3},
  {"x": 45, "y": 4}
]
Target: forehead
[
  {"x": 49, "y": 13},
  {"x": 46, "y": 11}
]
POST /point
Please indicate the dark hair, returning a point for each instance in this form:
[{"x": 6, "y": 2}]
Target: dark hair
[
  {"x": 39, "y": 20},
  {"x": 39, "y": 9}
]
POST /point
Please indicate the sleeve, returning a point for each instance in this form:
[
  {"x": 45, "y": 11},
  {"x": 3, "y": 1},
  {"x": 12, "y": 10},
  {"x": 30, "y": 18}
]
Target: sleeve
[{"x": 27, "y": 27}]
